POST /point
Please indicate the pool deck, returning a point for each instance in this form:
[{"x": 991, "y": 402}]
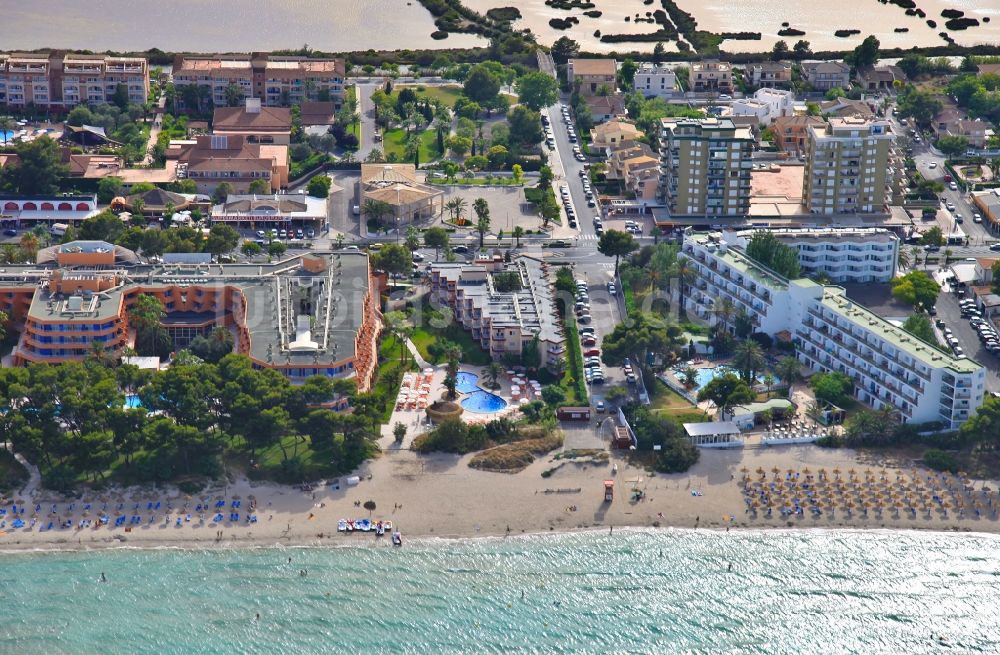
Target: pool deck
[{"x": 416, "y": 421}]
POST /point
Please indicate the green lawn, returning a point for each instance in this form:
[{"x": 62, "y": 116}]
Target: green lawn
[
  {"x": 394, "y": 141},
  {"x": 573, "y": 378},
  {"x": 425, "y": 335},
  {"x": 446, "y": 95}
]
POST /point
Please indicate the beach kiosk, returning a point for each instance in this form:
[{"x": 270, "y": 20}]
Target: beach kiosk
[{"x": 609, "y": 490}]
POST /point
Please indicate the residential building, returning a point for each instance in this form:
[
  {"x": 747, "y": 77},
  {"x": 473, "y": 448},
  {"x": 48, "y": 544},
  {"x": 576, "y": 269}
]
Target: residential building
[
  {"x": 655, "y": 80},
  {"x": 848, "y": 255},
  {"x": 780, "y": 102},
  {"x": 760, "y": 111},
  {"x": 277, "y": 81},
  {"x": 503, "y": 322},
  {"x": 288, "y": 211},
  {"x": 91, "y": 167},
  {"x": 791, "y": 133},
  {"x": 609, "y": 135},
  {"x": 316, "y": 314},
  {"x": 317, "y": 113},
  {"x": 272, "y": 125},
  {"x": 711, "y": 75},
  {"x": 642, "y": 178},
  {"x": 826, "y": 75},
  {"x": 28, "y": 211},
  {"x": 951, "y": 121},
  {"x": 849, "y": 166},
  {"x": 988, "y": 204},
  {"x": 890, "y": 367},
  {"x": 705, "y": 167},
  {"x": 770, "y": 73},
  {"x": 880, "y": 78},
  {"x": 60, "y": 81},
  {"x": 624, "y": 151},
  {"x": 593, "y": 76},
  {"x": 397, "y": 185},
  {"x": 605, "y": 108},
  {"x": 216, "y": 158},
  {"x": 843, "y": 107}
]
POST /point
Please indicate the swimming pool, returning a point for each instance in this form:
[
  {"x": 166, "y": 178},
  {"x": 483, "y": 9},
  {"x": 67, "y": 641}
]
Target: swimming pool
[
  {"x": 132, "y": 401},
  {"x": 706, "y": 375},
  {"x": 6, "y": 137},
  {"x": 466, "y": 382},
  {"x": 483, "y": 402}
]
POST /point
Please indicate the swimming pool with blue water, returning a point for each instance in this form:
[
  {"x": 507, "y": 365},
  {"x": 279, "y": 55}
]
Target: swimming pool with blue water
[
  {"x": 483, "y": 402},
  {"x": 466, "y": 382},
  {"x": 706, "y": 375},
  {"x": 477, "y": 400}
]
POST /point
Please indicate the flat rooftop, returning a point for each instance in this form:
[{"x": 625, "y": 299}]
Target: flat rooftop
[
  {"x": 835, "y": 298},
  {"x": 779, "y": 182}
]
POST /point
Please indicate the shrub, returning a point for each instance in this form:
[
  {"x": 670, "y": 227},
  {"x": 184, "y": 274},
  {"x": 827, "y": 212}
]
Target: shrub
[{"x": 939, "y": 460}]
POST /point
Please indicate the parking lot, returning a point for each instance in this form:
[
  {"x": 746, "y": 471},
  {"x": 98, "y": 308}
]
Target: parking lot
[{"x": 965, "y": 335}]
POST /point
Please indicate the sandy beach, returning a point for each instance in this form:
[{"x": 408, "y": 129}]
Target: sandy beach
[{"x": 440, "y": 496}]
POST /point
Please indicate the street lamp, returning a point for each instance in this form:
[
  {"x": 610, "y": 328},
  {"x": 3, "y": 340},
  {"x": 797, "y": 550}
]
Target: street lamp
[{"x": 398, "y": 219}]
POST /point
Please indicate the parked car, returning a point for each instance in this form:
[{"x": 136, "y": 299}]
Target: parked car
[
  {"x": 599, "y": 406},
  {"x": 460, "y": 249},
  {"x": 592, "y": 352}
]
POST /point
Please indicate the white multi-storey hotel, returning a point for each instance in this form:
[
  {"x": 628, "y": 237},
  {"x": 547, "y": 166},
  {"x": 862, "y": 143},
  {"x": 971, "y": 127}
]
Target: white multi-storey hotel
[
  {"x": 890, "y": 367},
  {"x": 844, "y": 254}
]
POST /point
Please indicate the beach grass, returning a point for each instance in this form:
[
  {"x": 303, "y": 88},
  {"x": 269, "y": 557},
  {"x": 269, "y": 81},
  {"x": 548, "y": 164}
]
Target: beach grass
[{"x": 516, "y": 456}]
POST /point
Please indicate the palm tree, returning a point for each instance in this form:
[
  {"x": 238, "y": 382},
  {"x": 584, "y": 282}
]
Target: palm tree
[
  {"x": 902, "y": 259},
  {"x": 748, "y": 358},
  {"x": 454, "y": 206},
  {"x": 916, "y": 253},
  {"x": 29, "y": 246},
  {"x": 768, "y": 382},
  {"x": 518, "y": 233},
  {"x": 461, "y": 204},
  {"x": 947, "y": 256},
  {"x": 492, "y": 373},
  {"x": 482, "y": 209},
  {"x": 689, "y": 377},
  {"x": 397, "y": 326},
  {"x": 725, "y": 310},
  {"x": 9, "y": 253},
  {"x": 788, "y": 370},
  {"x": 411, "y": 150},
  {"x": 6, "y": 125},
  {"x": 376, "y": 210}
]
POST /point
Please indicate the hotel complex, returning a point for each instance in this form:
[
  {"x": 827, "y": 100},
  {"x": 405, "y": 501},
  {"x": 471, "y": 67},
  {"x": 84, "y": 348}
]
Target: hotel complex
[
  {"x": 889, "y": 366},
  {"x": 503, "y": 322},
  {"x": 310, "y": 315},
  {"x": 844, "y": 254},
  {"x": 63, "y": 81},
  {"x": 275, "y": 81}
]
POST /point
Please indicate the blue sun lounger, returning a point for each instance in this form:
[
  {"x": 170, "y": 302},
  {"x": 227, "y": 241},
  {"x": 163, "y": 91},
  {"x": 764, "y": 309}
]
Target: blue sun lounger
[{"x": 217, "y": 518}]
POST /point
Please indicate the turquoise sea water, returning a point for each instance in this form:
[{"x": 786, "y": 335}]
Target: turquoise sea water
[{"x": 801, "y": 592}]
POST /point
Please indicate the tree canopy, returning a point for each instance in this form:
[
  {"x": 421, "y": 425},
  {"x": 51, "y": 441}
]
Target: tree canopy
[
  {"x": 614, "y": 243},
  {"x": 537, "y": 90},
  {"x": 916, "y": 288},
  {"x": 38, "y": 170},
  {"x": 766, "y": 249}
]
